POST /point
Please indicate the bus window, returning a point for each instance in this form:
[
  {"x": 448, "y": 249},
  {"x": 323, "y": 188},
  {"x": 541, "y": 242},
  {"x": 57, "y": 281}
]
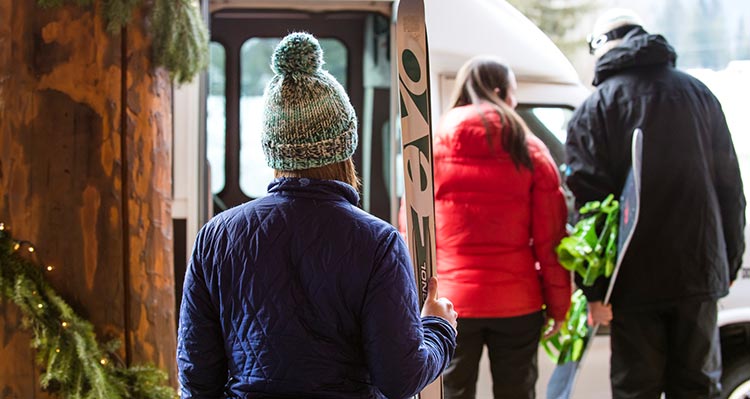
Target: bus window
[
  {"x": 255, "y": 73},
  {"x": 216, "y": 125},
  {"x": 550, "y": 124},
  {"x": 555, "y": 119}
]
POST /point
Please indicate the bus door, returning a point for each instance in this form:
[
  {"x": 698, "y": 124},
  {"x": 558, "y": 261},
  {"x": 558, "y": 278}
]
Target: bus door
[{"x": 356, "y": 51}]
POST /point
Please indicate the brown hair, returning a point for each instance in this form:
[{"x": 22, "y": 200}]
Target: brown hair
[
  {"x": 475, "y": 84},
  {"x": 342, "y": 171}
]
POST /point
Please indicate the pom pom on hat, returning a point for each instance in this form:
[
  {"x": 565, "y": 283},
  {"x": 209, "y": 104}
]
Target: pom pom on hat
[
  {"x": 308, "y": 120},
  {"x": 298, "y": 53}
]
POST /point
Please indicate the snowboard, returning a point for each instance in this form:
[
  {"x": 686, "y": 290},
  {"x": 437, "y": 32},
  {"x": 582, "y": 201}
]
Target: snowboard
[
  {"x": 416, "y": 140},
  {"x": 562, "y": 381}
]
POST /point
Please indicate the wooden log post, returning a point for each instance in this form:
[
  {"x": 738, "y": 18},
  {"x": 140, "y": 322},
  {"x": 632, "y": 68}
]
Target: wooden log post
[
  {"x": 85, "y": 174},
  {"x": 152, "y": 330}
]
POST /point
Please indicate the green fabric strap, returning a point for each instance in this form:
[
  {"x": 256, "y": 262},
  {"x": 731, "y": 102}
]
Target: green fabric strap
[
  {"x": 567, "y": 345},
  {"x": 590, "y": 250}
]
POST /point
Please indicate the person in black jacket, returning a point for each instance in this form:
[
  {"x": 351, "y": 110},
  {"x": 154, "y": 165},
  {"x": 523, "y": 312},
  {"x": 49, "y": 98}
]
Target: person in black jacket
[{"x": 688, "y": 246}]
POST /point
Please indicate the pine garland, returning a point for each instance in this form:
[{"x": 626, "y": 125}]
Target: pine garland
[
  {"x": 74, "y": 365},
  {"x": 182, "y": 45},
  {"x": 180, "y": 38}
]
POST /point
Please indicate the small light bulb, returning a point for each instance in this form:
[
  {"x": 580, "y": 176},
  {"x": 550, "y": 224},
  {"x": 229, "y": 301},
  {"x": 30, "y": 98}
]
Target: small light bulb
[
  {"x": 65, "y": 324},
  {"x": 103, "y": 362},
  {"x": 15, "y": 247},
  {"x": 40, "y": 306},
  {"x": 50, "y": 268},
  {"x": 57, "y": 350},
  {"x": 2, "y": 226},
  {"x": 31, "y": 249}
]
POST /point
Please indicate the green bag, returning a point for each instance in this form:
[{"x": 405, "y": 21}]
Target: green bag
[
  {"x": 591, "y": 249},
  {"x": 567, "y": 345}
]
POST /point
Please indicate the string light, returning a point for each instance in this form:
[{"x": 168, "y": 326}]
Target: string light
[{"x": 29, "y": 270}]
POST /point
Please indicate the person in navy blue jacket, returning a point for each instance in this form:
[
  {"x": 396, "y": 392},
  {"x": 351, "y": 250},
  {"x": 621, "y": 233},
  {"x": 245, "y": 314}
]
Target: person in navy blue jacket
[{"x": 301, "y": 293}]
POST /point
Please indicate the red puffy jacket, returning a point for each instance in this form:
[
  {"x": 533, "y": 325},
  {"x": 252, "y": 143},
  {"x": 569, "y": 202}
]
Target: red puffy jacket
[{"x": 497, "y": 225}]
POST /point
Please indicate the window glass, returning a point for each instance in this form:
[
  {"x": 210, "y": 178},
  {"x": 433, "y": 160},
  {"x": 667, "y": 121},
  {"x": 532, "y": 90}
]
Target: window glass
[
  {"x": 216, "y": 116},
  {"x": 554, "y": 119},
  {"x": 550, "y": 124},
  {"x": 255, "y": 56}
]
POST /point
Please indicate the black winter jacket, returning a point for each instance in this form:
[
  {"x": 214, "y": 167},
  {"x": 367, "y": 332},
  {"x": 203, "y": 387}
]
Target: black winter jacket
[{"x": 689, "y": 240}]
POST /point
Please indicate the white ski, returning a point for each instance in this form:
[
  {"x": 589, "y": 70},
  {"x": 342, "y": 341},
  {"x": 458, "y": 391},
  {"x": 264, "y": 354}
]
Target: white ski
[{"x": 416, "y": 139}]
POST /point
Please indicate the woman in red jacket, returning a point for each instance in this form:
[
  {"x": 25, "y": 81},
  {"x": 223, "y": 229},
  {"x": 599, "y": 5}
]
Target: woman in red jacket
[{"x": 500, "y": 212}]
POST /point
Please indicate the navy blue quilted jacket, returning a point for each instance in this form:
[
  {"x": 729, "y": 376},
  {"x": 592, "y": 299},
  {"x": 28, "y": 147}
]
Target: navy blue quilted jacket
[{"x": 302, "y": 294}]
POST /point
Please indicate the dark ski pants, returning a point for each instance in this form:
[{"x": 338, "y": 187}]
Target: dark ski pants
[
  {"x": 674, "y": 350},
  {"x": 512, "y": 346}
]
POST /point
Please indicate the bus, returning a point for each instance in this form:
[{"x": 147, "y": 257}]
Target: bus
[{"x": 218, "y": 161}]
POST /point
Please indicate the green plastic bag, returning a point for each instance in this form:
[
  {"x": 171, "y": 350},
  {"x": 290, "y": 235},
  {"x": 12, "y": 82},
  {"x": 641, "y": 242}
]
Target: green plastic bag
[
  {"x": 591, "y": 249},
  {"x": 567, "y": 345}
]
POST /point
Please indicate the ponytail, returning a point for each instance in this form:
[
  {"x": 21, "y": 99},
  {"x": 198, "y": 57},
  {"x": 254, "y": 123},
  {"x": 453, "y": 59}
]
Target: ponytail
[{"x": 476, "y": 84}]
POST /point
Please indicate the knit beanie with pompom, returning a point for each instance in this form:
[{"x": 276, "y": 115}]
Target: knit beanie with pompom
[{"x": 308, "y": 120}]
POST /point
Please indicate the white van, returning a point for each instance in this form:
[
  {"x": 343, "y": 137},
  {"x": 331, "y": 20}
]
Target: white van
[{"x": 217, "y": 118}]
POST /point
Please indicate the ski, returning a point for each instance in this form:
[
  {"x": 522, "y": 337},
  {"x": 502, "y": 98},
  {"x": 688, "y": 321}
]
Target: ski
[
  {"x": 562, "y": 382},
  {"x": 416, "y": 141}
]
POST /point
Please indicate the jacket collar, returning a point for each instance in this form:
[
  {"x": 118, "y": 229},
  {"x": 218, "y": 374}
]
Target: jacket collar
[
  {"x": 638, "y": 49},
  {"x": 333, "y": 190}
]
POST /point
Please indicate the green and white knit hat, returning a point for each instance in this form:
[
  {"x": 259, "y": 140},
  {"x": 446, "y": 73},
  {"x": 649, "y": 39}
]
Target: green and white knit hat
[{"x": 308, "y": 120}]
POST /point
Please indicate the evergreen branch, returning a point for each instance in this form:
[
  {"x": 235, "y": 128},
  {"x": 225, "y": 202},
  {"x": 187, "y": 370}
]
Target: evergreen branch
[
  {"x": 180, "y": 37},
  {"x": 57, "y": 3},
  {"x": 74, "y": 364},
  {"x": 118, "y": 13}
]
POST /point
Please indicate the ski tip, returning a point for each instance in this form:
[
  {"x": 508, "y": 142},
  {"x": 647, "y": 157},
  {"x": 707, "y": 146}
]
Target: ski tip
[{"x": 298, "y": 53}]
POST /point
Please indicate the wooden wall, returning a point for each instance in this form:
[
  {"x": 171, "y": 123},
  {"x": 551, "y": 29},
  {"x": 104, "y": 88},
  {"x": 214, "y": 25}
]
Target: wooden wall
[{"x": 85, "y": 174}]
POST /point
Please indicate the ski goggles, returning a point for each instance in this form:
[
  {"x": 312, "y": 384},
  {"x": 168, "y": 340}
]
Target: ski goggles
[{"x": 597, "y": 41}]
